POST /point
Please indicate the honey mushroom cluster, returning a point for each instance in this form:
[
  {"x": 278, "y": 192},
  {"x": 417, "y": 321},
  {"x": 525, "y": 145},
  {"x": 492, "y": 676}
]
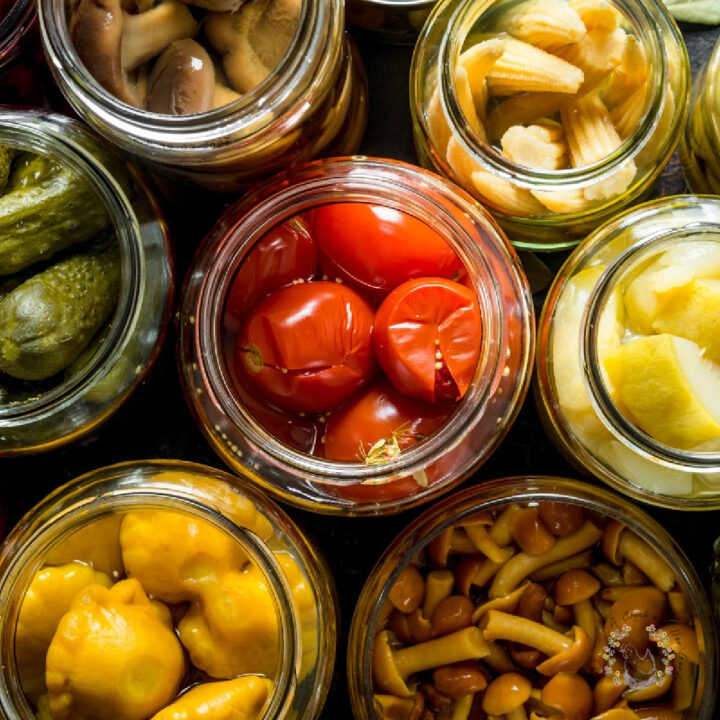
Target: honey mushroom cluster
[
  {"x": 545, "y": 612},
  {"x": 105, "y": 627},
  {"x": 559, "y": 85},
  {"x": 147, "y": 54}
]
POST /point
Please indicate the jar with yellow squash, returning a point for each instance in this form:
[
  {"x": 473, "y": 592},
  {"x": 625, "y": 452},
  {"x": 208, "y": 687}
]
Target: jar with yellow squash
[
  {"x": 700, "y": 148},
  {"x": 628, "y": 363},
  {"x": 555, "y": 114},
  {"x": 163, "y": 590}
]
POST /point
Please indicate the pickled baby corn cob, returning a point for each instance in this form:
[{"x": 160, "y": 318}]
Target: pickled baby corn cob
[
  {"x": 523, "y": 67},
  {"x": 466, "y": 102},
  {"x": 597, "y": 55},
  {"x": 477, "y": 61},
  {"x": 437, "y": 123},
  {"x": 523, "y": 109},
  {"x": 537, "y": 146},
  {"x": 543, "y": 23},
  {"x": 626, "y": 116},
  {"x": 596, "y": 14},
  {"x": 563, "y": 201},
  {"x": 461, "y": 162},
  {"x": 506, "y": 196},
  {"x": 628, "y": 75}
]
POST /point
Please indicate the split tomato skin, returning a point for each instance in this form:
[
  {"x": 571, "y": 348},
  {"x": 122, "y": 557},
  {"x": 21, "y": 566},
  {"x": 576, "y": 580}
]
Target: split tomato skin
[
  {"x": 307, "y": 347},
  {"x": 375, "y": 248},
  {"x": 285, "y": 254},
  {"x": 427, "y": 338}
]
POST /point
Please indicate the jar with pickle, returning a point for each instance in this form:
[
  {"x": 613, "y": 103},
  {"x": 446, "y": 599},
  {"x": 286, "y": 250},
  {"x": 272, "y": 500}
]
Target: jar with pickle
[
  {"x": 699, "y": 151},
  {"x": 627, "y": 368},
  {"x": 203, "y": 597},
  {"x": 356, "y": 336},
  {"x": 85, "y": 281},
  {"x": 533, "y": 597},
  {"x": 211, "y": 93},
  {"x": 555, "y": 114}
]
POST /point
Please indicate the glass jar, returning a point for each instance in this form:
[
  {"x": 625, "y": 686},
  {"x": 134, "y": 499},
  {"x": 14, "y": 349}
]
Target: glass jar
[
  {"x": 65, "y": 524},
  {"x": 569, "y": 202},
  {"x": 579, "y": 409},
  {"x": 393, "y": 21},
  {"x": 419, "y": 543},
  {"x": 699, "y": 151},
  {"x": 89, "y": 396},
  {"x": 313, "y": 103},
  {"x": 480, "y": 419}
]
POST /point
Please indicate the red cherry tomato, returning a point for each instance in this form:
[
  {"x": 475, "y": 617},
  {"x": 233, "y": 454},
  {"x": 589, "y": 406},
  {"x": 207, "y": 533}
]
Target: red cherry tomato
[
  {"x": 375, "y": 248},
  {"x": 355, "y": 431},
  {"x": 427, "y": 338},
  {"x": 284, "y": 254},
  {"x": 308, "y": 347}
]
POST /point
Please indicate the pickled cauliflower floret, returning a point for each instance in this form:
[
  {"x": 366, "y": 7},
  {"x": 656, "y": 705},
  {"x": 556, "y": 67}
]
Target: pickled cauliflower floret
[
  {"x": 114, "y": 656},
  {"x": 48, "y": 597},
  {"x": 233, "y": 629},
  {"x": 240, "y": 699},
  {"x": 173, "y": 555}
]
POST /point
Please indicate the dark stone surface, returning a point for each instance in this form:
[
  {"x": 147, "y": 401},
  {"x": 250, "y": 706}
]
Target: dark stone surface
[{"x": 156, "y": 423}]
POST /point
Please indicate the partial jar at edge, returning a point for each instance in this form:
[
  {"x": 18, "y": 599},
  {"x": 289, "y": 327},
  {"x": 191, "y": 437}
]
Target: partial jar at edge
[
  {"x": 501, "y": 499},
  {"x": 119, "y": 362},
  {"x": 85, "y": 518},
  {"x": 547, "y": 209},
  {"x": 700, "y": 148},
  {"x": 481, "y": 418},
  {"x": 603, "y": 301},
  {"x": 313, "y": 103}
]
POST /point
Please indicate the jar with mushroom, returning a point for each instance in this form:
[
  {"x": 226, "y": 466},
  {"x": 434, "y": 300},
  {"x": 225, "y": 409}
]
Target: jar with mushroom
[
  {"x": 204, "y": 600},
  {"x": 533, "y": 597},
  {"x": 213, "y": 92},
  {"x": 555, "y": 114},
  {"x": 627, "y": 363}
]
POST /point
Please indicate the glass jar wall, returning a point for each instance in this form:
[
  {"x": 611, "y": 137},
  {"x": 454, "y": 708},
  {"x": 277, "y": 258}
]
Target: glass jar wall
[
  {"x": 624, "y": 364},
  {"x": 93, "y": 546},
  {"x": 64, "y": 186},
  {"x": 312, "y": 103},
  {"x": 375, "y": 482},
  {"x": 555, "y": 130}
]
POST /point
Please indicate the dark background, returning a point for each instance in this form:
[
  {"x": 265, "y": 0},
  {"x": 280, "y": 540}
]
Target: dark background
[{"x": 155, "y": 422}]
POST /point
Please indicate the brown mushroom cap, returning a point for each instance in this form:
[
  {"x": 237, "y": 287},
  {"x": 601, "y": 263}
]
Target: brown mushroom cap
[
  {"x": 182, "y": 81},
  {"x": 385, "y": 674},
  {"x": 453, "y": 613},
  {"x": 389, "y": 707},
  {"x": 574, "y": 586},
  {"x": 506, "y": 693},
  {"x": 610, "y": 539},
  {"x": 636, "y": 610},
  {"x": 570, "y": 660},
  {"x": 408, "y": 591},
  {"x": 570, "y": 694},
  {"x": 458, "y": 679},
  {"x": 530, "y": 533},
  {"x": 561, "y": 518}
]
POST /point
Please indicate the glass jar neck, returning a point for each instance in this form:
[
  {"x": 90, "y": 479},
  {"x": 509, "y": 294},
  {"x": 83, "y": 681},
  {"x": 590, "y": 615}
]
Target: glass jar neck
[
  {"x": 637, "y": 255},
  {"x": 647, "y": 18},
  {"x": 709, "y": 102},
  {"x": 69, "y": 509},
  {"x": 305, "y": 73}
]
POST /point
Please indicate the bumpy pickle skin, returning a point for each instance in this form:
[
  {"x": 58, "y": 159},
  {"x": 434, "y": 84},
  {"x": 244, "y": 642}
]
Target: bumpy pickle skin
[
  {"x": 6, "y": 157},
  {"x": 174, "y": 555},
  {"x": 47, "y": 321},
  {"x": 114, "y": 656},
  {"x": 234, "y": 628},
  {"x": 49, "y": 596},
  {"x": 239, "y": 699}
]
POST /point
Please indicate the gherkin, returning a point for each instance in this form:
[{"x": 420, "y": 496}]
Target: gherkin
[
  {"x": 47, "y": 321},
  {"x": 6, "y": 157}
]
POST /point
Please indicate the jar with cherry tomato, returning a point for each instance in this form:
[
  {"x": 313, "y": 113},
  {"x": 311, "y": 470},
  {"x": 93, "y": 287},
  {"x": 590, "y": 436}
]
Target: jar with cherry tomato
[{"x": 356, "y": 336}]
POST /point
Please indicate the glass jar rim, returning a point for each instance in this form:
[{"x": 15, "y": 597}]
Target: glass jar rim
[
  {"x": 275, "y": 201},
  {"x": 11, "y": 26},
  {"x": 709, "y": 98},
  {"x": 59, "y": 511},
  {"x": 496, "y": 493},
  {"x": 271, "y": 106},
  {"x": 18, "y": 129}
]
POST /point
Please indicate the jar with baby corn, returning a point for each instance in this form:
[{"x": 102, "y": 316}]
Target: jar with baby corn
[
  {"x": 533, "y": 597},
  {"x": 555, "y": 114},
  {"x": 627, "y": 363},
  {"x": 207, "y": 93},
  {"x": 204, "y": 599},
  {"x": 700, "y": 148}
]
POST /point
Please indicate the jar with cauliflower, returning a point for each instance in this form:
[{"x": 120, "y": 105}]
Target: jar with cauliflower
[
  {"x": 628, "y": 356},
  {"x": 555, "y": 114},
  {"x": 191, "y": 600}
]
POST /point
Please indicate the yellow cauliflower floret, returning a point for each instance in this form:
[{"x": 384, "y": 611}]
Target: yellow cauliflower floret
[
  {"x": 174, "y": 554},
  {"x": 114, "y": 656},
  {"x": 233, "y": 629},
  {"x": 240, "y": 699},
  {"x": 48, "y": 597}
]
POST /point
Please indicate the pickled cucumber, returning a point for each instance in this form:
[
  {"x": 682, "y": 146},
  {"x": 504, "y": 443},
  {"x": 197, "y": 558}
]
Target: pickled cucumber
[
  {"x": 46, "y": 208},
  {"x": 6, "y": 158},
  {"x": 46, "y": 322}
]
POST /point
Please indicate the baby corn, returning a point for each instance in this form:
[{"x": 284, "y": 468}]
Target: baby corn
[
  {"x": 467, "y": 105},
  {"x": 505, "y": 195},
  {"x": 477, "y": 61},
  {"x": 537, "y": 146},
  {"x": 597, "y": 55},
  {"x": 562, "y": 201},
  {"x": 626, "y": 116},
  {"x": 523, "y": 109},
  {"x": 630, "y": 73},
  {"x": 596, "y": 14},
  {"x": 544, "y": 23}
]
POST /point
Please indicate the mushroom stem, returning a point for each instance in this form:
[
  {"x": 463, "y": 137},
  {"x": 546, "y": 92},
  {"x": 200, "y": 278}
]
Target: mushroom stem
[
  {"x": 499, "y": 659},
  {"x": 517, "y": 714},
  {"x": 501, "y": 531},
  {"x": 574, "y": 562},
  {"x": 503, "y": 626},
  {"x": 508, "y": 604},
  {"x": 482, "y": 541},
  {"x": 613, "y": 594},
  {"x": 585, "y": 617},
  {"x": 438, "y": 586},
  {"x": 461, "y": 708},
  {"x": 517, "y": 568},
  {"x": 641, "y": 554}
]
